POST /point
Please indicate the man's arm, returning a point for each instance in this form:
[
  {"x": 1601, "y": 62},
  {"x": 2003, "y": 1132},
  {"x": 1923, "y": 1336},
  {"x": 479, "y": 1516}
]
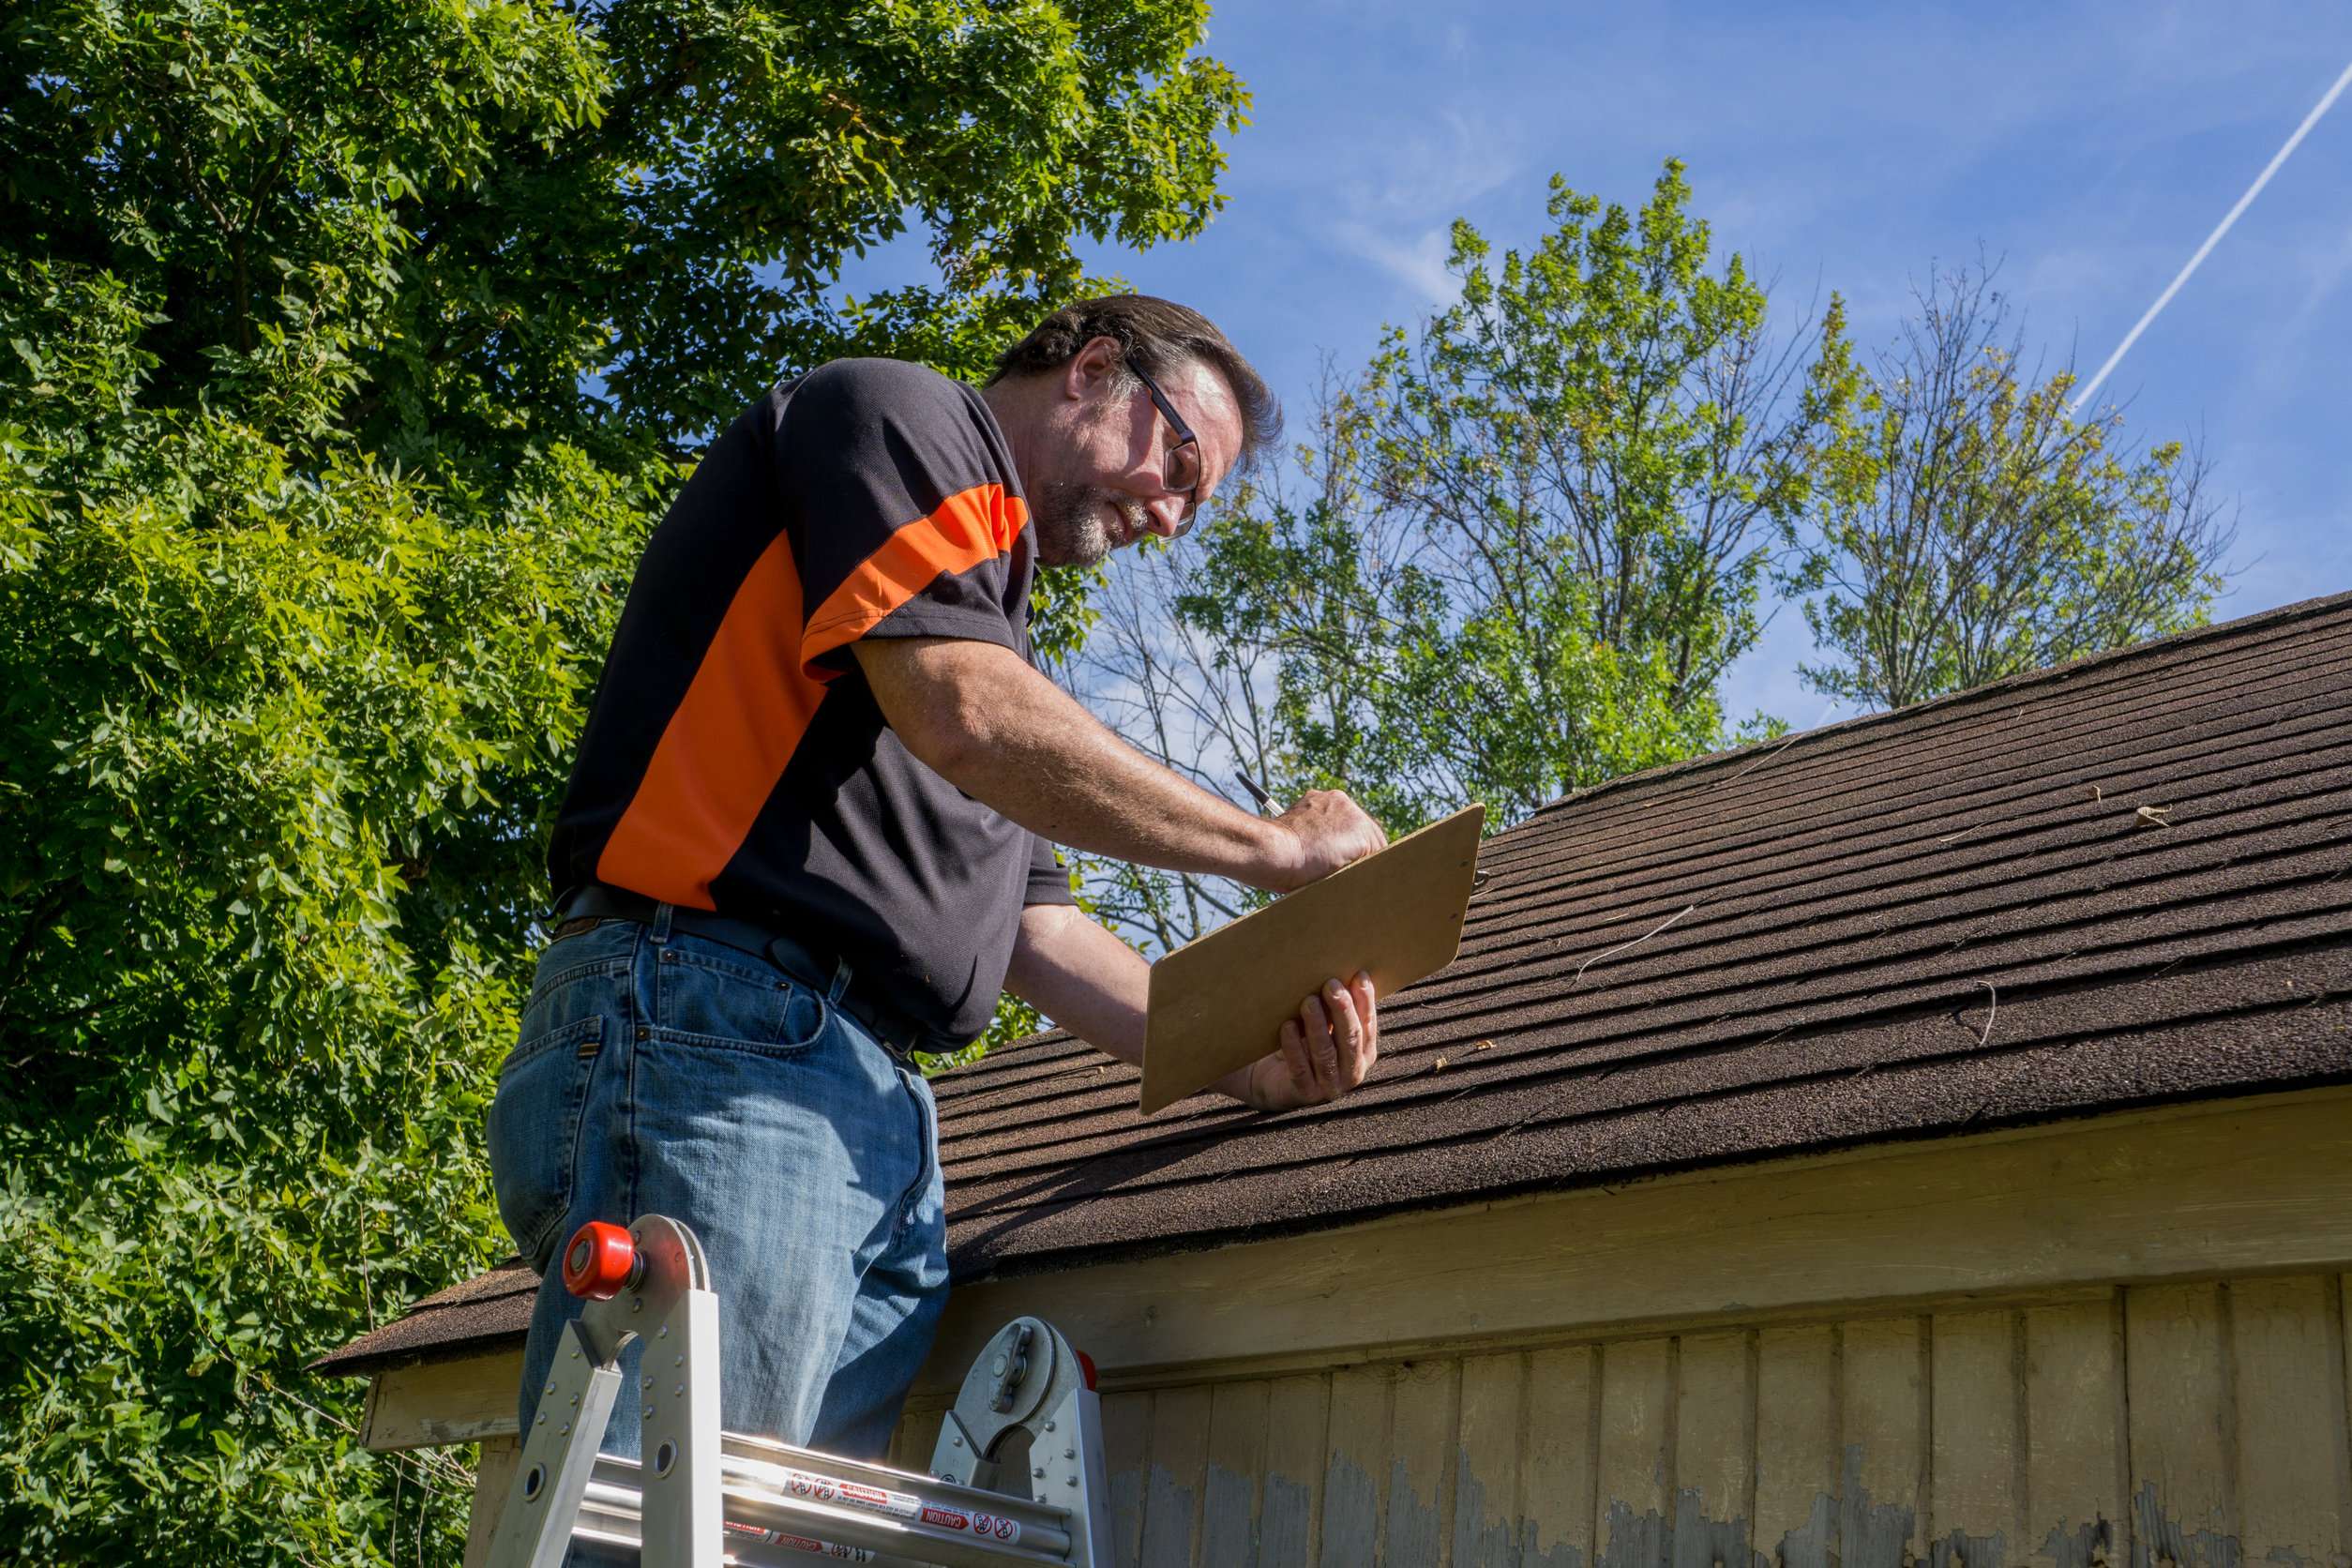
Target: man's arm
[
  {"x": 978, "y": 716},
  {"x": 1094, "y": 985}
]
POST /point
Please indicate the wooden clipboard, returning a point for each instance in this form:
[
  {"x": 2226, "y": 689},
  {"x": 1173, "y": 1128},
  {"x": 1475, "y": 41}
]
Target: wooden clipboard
[{"x": 1218, "y": 1003}]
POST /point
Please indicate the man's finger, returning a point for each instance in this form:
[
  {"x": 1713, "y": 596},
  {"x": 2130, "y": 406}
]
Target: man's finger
[
  {"x": 1293, "y": 1048},
  {"x": 1368, "y": 1009},
  {"x": 1348, "y": 1027},
  {"x": 1321, "y": 1048}
]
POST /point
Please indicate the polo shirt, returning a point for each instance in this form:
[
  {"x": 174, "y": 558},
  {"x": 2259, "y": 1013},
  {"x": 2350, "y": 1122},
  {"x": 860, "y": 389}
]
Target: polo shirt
[{"x": 734, "y": 757}]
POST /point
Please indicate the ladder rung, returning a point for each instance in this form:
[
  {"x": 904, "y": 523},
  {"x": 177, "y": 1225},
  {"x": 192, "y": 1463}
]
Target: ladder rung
[
  {"x": 749, "y": 1505},
  {"x": 910, "y": 1490}
]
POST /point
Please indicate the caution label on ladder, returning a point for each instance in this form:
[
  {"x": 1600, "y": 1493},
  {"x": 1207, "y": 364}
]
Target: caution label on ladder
[
  {"x": 809, "y": 1544},
  {"x": 987, "y": 1526},
  {"x": 827, "y": 1489}
]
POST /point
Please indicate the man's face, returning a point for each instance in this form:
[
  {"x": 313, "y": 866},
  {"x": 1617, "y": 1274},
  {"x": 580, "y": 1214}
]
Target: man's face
[{"x": 1111, "y": 464}]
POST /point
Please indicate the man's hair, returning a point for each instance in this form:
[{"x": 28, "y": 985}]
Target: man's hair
[{"x": 1160, "y": 336}]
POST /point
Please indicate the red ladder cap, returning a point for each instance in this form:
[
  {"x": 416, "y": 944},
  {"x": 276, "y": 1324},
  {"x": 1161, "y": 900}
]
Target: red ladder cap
[{"x": 600, "y": 1262}]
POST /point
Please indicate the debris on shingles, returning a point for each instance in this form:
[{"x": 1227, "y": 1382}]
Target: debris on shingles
[
  {"x": 2155, "y": 816},
  {"x": 1439, "y": 1066},
  {"x": 1962, "y": 833},
  {"x": 1758, "y": 763},
  {"x": 1483, "y": 1045},
  {"x": 2096, "y": 798},
  {"x": 1574, "y": 979},
  {"x": 1992, "y": 1011}
]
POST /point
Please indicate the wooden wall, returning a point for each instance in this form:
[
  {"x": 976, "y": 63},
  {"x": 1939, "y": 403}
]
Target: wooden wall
[{"x": 2198, "y": 1425}]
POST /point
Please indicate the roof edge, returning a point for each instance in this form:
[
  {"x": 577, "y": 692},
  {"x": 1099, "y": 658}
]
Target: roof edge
[{"x": 2300, "y": 609}]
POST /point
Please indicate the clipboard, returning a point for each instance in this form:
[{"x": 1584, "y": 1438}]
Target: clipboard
[{"x": 1218, "y": 1003}]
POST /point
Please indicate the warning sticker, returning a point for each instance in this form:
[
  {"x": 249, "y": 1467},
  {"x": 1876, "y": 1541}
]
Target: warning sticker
[
  {"x": 814, "y": 1548},
  {"x": 826, "y": 1488},
  {"x": 987, "y": 1526},
  {"x": 995, "y": 1527}
]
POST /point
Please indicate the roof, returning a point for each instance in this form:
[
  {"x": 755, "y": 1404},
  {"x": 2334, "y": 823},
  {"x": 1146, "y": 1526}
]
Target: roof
[
  {"x": 470, "y": 1316},
  {"x": 1950, "y": 917}
]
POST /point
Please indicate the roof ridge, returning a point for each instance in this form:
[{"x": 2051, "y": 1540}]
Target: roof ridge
[{"x": 2300, "y": 609}]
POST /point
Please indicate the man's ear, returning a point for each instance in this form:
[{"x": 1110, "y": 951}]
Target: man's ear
[{"x": 1091, "y": 368}]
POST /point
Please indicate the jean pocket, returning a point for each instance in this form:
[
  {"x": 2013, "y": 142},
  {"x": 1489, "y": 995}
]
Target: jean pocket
[
  {"x": 702, "y": 998},
  {"x": 534, "y": 1131}
]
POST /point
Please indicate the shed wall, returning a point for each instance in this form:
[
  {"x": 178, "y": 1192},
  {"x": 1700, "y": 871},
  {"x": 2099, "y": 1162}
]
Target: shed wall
[{"x": 2198, "y": 1425}]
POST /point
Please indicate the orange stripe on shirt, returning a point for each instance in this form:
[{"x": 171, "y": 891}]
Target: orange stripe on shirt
[
  {"x": 725, "y": 748},
  {"x": 970, "y": 527}
]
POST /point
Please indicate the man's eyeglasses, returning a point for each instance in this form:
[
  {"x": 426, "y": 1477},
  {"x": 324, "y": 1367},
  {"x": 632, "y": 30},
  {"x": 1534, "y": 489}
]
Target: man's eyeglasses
[{"x": 1181, "y": 470}]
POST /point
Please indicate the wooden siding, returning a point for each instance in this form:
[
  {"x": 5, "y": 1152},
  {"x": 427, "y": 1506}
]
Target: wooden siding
[{"x": 2200, "y": 1426}]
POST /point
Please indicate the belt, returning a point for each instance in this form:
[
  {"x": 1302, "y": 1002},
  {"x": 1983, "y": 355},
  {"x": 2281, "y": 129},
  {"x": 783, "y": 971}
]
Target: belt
[{"x": 593, "y": 902}]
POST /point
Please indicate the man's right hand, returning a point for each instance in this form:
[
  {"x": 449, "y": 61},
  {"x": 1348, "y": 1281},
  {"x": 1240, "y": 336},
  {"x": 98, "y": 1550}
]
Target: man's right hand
[{"x": 1329, "y": 831}]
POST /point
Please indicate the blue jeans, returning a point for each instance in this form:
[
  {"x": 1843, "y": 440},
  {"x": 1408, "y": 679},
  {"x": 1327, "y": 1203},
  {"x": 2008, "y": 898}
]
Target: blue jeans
[{"x": 662, "y": 1073}]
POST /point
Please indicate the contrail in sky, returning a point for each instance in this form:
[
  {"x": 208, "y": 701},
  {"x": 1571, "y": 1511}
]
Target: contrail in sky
[{"x": 2214, "y": 238}]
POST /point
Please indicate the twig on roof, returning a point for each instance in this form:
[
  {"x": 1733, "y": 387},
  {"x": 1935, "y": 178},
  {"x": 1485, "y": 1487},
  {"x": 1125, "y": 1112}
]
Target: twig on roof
[
  {"x": 2096, "y": 798},
  {"x": 1635, "y": 943},
  {"x": 1986, "y": 1032},
  {"x": 1962, "y": 833},
  {"x": 1759, "y": 762},
  {"x": 2156, "y": 815}
]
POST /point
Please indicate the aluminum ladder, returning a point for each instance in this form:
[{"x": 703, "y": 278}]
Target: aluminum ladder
[{"x": 704, "y": 1497}]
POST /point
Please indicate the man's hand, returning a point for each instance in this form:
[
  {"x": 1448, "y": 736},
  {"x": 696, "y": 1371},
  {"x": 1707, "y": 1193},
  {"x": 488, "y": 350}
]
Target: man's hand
[
  {"x": 1331, "y": 831},
  {"x": 1325, "y": 1054}
]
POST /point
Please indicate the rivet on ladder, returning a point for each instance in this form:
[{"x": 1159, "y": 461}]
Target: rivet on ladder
[{"x": 649, "y": 1412}]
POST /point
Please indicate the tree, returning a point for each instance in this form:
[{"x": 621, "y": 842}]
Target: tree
[
  {"x": 349, "y": 353},
  {"x": 1520, "y": 551},
  {"x": 1975, "y": 528}
]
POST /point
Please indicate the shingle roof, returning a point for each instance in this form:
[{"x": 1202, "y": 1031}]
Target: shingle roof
[
  {"x": 469, "y": 1315},
  {"x": 1943, "y": 918},
  {"x": 1937, "y": 920}
]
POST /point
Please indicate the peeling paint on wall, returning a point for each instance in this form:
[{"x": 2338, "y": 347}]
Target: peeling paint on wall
[
  {"x": 1227, "y": 1531},
  {"x": 2161, "y": 1541},
  {"x": 2152, "y": 1428}
]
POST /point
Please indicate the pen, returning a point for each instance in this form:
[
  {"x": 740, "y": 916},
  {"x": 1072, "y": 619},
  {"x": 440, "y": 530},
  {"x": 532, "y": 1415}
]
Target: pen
[{"x": 1258, "y": 792}]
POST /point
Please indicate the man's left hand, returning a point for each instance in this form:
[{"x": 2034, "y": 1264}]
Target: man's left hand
[{"x": 1324, "y": 1053}]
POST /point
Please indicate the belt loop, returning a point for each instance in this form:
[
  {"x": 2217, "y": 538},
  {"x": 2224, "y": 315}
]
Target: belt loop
[
  {"x": 840, "y": 981},
  {"x": 661, "y": 922}
]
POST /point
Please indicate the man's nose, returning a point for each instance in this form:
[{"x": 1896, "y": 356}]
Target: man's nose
[{"x": 1167, "y": 512}]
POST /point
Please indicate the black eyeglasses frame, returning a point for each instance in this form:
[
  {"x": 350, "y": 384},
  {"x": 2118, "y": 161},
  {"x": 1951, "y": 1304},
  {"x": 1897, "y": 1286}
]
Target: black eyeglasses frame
[{"x": 1184, "y": 438}]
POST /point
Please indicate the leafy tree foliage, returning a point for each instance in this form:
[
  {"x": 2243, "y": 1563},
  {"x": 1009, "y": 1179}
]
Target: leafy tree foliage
[
  {"x": 350, "y": 350},
  {"x": 1526, "y": 542},
  {"x": 1975, "y": 527}
]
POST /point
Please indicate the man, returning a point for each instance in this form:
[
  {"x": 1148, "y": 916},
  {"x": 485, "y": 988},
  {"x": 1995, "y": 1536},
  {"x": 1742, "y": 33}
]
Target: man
[{"x": 809, "y": 829}]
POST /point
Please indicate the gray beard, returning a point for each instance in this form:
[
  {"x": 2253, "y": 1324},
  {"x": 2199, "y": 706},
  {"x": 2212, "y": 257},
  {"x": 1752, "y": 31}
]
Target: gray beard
[{"x": 1068, "y": 519}]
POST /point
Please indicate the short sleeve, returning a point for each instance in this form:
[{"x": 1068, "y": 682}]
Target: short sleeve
[
  {"x": 908, "y": 517},
  {"x": 1049, "y": 879}
]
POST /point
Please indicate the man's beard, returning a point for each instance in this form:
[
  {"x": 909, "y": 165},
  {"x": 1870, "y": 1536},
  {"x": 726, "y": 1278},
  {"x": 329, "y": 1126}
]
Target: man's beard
[{"x": 1069, "y": 522}]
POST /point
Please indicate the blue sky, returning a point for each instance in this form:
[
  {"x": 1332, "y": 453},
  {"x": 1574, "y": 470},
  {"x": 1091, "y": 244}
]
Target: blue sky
[{"x": 2089, "y": 147}]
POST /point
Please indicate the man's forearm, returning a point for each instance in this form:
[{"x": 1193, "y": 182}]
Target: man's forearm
[{"x": 996, "y": 729}]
